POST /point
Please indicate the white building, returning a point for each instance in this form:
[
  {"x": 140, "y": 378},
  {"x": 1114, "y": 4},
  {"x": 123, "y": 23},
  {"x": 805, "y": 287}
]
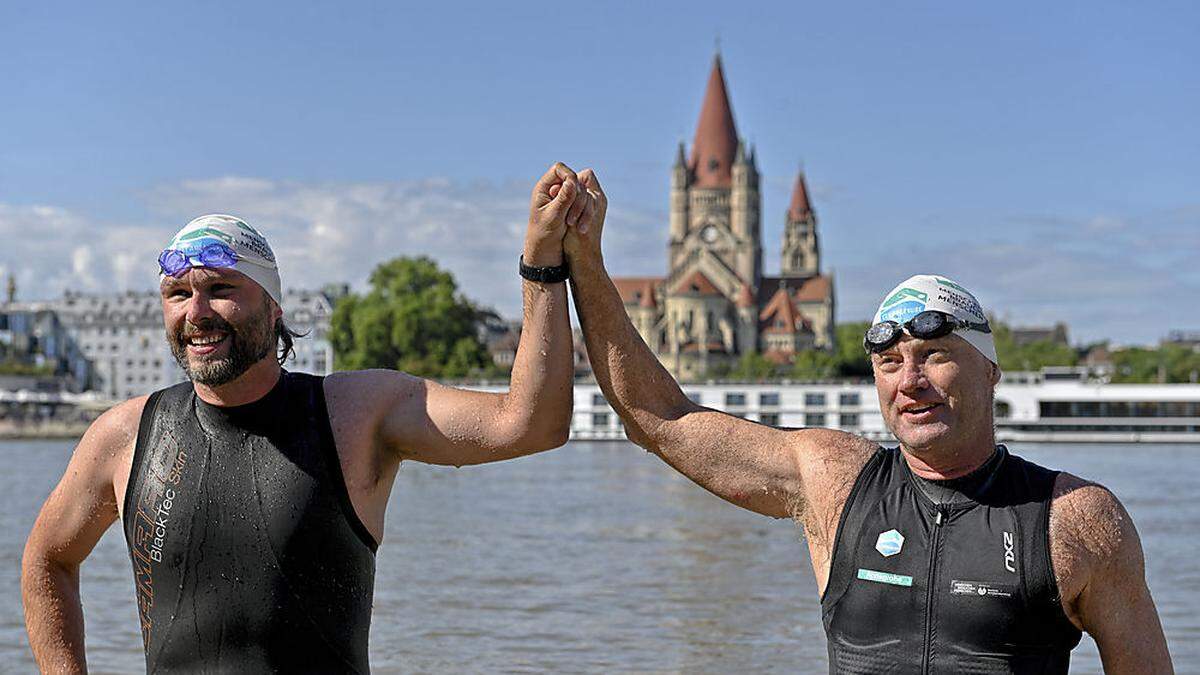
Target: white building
[{"x": 123, "y": 337}]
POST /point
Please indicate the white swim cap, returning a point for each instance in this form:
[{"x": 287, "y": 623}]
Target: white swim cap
[
  {"x": 254, "y": 256},
  {"x": 925, "y": 292}
]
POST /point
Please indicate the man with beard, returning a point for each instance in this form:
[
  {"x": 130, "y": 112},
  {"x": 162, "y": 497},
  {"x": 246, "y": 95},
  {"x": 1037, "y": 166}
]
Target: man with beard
[
  {"x": 947, "y": 554},
  {"x": 253, "y": 499}
]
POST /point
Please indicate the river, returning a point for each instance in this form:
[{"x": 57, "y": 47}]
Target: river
[{"x": 598, "y": 558}]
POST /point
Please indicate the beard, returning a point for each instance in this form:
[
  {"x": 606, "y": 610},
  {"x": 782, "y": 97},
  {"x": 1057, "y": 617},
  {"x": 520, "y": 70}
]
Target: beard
[{"x": 249, "y": 343}]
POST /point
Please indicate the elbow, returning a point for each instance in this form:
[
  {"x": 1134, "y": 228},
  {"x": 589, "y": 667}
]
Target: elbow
[
  {"x": 549, "y": 436},
  {"x": 533, "y": 433}
]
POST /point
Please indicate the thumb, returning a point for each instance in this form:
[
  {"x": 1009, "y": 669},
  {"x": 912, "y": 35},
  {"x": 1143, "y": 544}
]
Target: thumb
[{"x": 562, "y": 201}]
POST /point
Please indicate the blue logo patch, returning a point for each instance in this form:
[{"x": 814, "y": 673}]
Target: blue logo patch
[
  {"x": 889, "y": 543},
  {"x": 902, "y": 312}
]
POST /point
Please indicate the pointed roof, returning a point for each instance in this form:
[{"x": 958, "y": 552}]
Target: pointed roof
[
  {"x": 635, "y": 290},
  {"x": 699, "y": 284},
  {"x": 716, "y": 140},
  {"x": 800, "y": 207},
  {"x": 782, "y": 310}
]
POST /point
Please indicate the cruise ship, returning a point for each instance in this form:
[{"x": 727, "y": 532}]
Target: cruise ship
[{"x": 1055, "y": 405}]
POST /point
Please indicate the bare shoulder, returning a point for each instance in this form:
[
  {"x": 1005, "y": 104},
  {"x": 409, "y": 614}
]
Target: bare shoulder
[
  {"x": 1090, "y": 531},
  {"x": 365, "y": 406},
  {"x": 114, "y": 433}
]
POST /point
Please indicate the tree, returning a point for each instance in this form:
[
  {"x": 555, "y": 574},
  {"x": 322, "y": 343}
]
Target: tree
[{"x": 413, "y": 319}]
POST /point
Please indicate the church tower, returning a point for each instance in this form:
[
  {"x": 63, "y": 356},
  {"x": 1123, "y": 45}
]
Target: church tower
[
  {"x": 715, "y": 198},
  {"x": 801, "y": 251}
]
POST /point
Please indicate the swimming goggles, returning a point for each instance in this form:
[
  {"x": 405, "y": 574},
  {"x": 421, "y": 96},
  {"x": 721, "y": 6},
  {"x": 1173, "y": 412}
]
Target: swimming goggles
[
  {"x": 175, "y": 262},
  {"x": 927, "y": 325}
]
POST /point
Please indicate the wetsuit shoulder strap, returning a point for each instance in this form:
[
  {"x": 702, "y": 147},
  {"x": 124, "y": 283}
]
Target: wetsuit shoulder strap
[
  {"x": 145, "y": 429},
  {"x": 1032, "y": 487},
  {"x": 311, "y": 390},
  {"x": 871, "y": 483}
]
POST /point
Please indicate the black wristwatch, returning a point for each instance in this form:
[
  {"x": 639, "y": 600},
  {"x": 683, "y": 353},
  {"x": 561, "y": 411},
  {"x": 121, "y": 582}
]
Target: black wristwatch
[{"x": 546, "y": 275}]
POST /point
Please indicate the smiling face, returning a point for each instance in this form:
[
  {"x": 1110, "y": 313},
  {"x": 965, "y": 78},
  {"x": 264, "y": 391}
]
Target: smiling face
[
  {"x": 936, "y": 395},
  {"x": 219, "y": 323}
]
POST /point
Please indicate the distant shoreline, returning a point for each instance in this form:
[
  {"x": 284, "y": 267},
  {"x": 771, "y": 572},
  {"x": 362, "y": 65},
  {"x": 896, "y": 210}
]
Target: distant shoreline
[{"x": 51, "y": 431}]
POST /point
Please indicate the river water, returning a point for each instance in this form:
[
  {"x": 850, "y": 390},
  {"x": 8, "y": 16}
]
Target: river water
[{"x": 598, "y": 558}]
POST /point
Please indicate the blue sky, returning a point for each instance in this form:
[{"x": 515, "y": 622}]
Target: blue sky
[{"x": 1046, "y": 156}]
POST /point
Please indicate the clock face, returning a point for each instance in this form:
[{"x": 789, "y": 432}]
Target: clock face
[{"x": 709, "y": 234}]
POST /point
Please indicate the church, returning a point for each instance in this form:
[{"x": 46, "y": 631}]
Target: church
[{"x": 715, "y": 303}]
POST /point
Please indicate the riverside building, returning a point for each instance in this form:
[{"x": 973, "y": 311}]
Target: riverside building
[{"x": 121, "y": 338}]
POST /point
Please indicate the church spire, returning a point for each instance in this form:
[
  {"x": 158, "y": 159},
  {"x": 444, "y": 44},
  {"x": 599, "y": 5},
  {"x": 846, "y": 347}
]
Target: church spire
[
  {"x": 716, "y": 140},
  {"x": 800, "y": 208}
]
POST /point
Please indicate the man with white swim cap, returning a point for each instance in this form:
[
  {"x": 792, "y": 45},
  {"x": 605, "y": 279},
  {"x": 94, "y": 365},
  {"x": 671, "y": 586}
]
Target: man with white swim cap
[
  {"x": 947, "y": 554},
  {"x": 252, "y": 499}
]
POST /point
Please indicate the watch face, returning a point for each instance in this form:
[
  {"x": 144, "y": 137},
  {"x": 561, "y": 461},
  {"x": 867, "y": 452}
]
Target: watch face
[{"x": 709, "y": 234}]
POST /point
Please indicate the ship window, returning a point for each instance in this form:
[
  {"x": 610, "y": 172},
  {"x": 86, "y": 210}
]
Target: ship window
[
  {"x": 735, "y": 398},
  {"x": 768, "y": 399},
  {"x": 814, "y": 420},
  {"x": 848, "y": 420},
  {"x": 815, "y": 399},
  {"x": 600, "y": 420},
  {"x": 771, "y": 419},
  {"x": 849, "y": 399}
]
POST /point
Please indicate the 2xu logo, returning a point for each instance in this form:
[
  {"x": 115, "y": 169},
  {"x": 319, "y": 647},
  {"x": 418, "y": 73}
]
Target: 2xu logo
[{"x": 1010, "y": 557}]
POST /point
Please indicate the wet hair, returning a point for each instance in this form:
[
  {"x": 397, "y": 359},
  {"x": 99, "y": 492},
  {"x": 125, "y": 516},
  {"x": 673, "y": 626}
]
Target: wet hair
[{"x": 285, "y": 340}]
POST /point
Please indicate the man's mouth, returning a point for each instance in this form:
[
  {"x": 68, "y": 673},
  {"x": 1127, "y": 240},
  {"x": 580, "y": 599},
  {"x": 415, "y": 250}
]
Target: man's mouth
[
  {"x": 204, "y": 343},
  {"x": 918, "y": 411}
]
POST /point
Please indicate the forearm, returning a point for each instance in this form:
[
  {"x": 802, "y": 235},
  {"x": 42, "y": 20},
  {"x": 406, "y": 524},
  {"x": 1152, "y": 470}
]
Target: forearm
[
  {"x": 53, "y": 614},
  {"x": 540, "y": 398},
  {"x": 638, "y": 387}
]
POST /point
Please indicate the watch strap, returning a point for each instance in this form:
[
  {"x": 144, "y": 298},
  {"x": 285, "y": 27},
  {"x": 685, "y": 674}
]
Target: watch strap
[{"x": 546, "y": 275}]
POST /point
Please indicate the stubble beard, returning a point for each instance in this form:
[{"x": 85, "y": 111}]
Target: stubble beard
[{"x": 249, "y": 343}]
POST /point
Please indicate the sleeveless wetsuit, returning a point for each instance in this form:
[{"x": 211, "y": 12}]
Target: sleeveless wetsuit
[
  {"x": 247, "y": 553},
  {"x": 965, "y": 586}
]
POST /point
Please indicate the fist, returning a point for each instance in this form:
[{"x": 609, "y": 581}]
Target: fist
[
  {"x": 558, "y": 202},
  {"x": 583, "y": 236}
]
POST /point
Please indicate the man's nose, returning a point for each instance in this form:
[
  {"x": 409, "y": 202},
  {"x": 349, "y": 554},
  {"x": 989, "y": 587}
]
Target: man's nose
[
  {"x": 912, "y": 377},
  {"x": 198, "y": 309}
]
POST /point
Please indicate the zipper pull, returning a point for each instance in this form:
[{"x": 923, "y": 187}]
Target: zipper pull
[{"x": 938, "y": 519}]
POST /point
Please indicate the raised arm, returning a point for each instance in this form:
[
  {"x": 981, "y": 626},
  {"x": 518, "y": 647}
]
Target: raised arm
[
  {"x": 1098, "y": 560},
  {"x": 425, "y": 421},
  {"x": 761, "y": 468},
  {"x": 72, "y": 520}
]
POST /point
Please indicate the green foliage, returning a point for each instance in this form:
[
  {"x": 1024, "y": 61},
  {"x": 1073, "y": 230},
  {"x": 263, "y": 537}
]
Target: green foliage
[
  {"x": 413, "y": 319},
  {"x": 1168, "y": 363},
  {"x": 852, "y": 359},
  {"x": 11, "y": 367},
  {"x": 815, "y": 365}
]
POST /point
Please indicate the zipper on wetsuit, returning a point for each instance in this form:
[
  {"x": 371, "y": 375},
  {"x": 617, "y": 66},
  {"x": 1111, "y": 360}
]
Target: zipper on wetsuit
[{"x": 933, "y": 550}]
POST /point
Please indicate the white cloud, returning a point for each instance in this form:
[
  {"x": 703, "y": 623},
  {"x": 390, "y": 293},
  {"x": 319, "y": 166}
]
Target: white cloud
[
  {"x": 1132, "y": 277},
  {"x": 1106, "y": 276}
]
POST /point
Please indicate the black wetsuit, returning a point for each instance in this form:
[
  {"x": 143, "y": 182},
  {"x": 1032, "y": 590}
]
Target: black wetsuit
[
  {"x": 247, "y": 553},
  {"x": 957, "y": 584}
]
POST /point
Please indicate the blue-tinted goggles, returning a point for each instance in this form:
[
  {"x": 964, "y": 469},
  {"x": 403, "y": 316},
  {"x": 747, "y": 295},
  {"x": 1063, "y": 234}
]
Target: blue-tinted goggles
[
  {"x": 175, "y": 262},
  {"x": 927, "y": 325}
]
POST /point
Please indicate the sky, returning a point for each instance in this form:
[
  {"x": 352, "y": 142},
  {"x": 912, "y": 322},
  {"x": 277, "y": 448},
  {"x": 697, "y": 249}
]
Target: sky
[{"x": 1045, "y": 156}]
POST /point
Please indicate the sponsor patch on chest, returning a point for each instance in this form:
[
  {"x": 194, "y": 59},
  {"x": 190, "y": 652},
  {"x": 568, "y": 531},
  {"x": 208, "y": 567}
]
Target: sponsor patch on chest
[{"x": 982, "y": 589}]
